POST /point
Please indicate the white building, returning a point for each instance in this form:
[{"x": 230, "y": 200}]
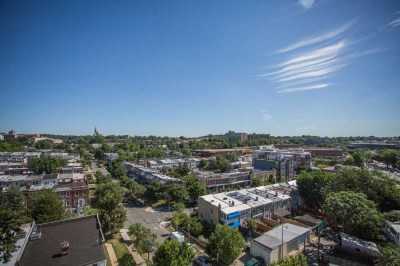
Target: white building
[
  {"x": 235, "y": 207},
  {"x": 280, "y": 242}
]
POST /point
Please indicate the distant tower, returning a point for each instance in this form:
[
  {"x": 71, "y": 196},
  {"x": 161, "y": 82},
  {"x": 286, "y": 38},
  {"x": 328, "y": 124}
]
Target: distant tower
[{"x": 96, "y": 132}]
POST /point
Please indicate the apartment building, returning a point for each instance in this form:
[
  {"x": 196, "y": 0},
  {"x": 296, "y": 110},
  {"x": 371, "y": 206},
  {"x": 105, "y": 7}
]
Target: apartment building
[
  {"x": 147, "y": 175},
  {"x": 216, "y": 182},
  {"x": 235, "y": 207}
]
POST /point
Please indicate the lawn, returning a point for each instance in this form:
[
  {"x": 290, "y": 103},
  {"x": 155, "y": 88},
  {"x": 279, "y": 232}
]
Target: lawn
[{"x": 119, "y": 247}]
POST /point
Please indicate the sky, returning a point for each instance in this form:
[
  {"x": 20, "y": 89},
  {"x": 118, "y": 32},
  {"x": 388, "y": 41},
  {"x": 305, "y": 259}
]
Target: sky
[{"x": 191, "y": 68}]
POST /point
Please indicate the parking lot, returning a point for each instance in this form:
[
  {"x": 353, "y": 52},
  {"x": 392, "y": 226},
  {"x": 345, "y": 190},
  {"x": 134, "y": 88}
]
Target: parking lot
[{"x": 148, "y": 217}]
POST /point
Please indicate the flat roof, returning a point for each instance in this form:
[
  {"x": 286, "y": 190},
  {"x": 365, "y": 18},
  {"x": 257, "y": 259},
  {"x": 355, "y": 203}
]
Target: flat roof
[
  {"x": 83, "y": 235},
  {"x": 273, "y": 238}
]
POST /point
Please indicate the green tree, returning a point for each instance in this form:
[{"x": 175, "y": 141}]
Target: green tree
[
  {"x": 312, "y": 187},
  {"x": 45, "y": 164},
  {"x": 298, "y": 260},
  {"x": 47, "y": 206},
  {"x": 172, "y": 253},
  {"x": 390, "y": 157},
  {"x": 45, "y": 144},
  {"x": 126, "y": 260},
  {"x": 11, "y": 218},
  {"x": 225, "y": 245},
  {"x": 108, "y": 200},
  {"x": 378, "y": 187},
  {"x": 143, "y": 238},
  {"x": 194, "y": 187},
  {"x": 354, "y": 214},
  {"x": 251, "y": 226},
  {"x": 390, "y": 256},
  {"x": 176, "y": 193}
]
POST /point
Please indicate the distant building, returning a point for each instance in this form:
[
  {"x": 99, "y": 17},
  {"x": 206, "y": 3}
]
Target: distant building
[
  {"x": 147, "y": 175},
  {"x": 373, "y": 145},
  {"x": 235, "y": 207},
  {"x": 72, "y": 189},
  {"x": 77, "y": 241},
  {"x": 325, "y": 152},
  {"x": 280, "y": 242},
  {"x": 215, "y": 152},
  {"x": 224, "y": 181}
]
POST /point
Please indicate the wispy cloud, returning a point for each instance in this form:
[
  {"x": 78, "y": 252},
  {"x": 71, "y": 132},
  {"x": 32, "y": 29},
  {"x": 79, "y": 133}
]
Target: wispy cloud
[
  {"x": 307, "y": 4},
  {"x": 394, "y": 23},
  {"x": 305, "y": 88},
  {"x": 317, "y": 39},
  {"x": 312, "y": 61}
]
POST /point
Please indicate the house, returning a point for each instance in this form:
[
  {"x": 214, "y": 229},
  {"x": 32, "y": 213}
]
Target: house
[
  {"x": 77, "y": 241},
  {"x": 282, "y": 241}
]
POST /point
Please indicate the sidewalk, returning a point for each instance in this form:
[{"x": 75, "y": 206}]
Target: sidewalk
[{"x": 111, "y": 254}]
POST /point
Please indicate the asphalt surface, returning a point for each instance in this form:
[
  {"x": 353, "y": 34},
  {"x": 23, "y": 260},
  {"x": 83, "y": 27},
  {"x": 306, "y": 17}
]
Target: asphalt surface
[{"x": 148, "y": 217}]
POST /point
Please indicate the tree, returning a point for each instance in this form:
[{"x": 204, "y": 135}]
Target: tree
[
  {"x": 251, "y": 226},
  {"x": 225, "y": 245},
  {"x": 126, "y": 260},
  {"x": 176, "y": 193},
  {"x": 11, "y": 218},
  {"x": 134, "y": 189},
  {"x": 378, "y": 187},
  {"x": 312, "y": 187},
  {"x": 354, "y": 213},
  {"x": 108, "y": 199},
  {"x": 298, "y": 260},
  {"x": 47, "y": 206},
  {"x": 194, "y": 187},
  {"x": 390, "y": 157},
  {"x": 45, "y": 164},
  {"x": 390, "y": 256},
  {"x": 45, "y": 144},
  {"x": 143, "y": 238},
  {"x": 172, "y": 253}
]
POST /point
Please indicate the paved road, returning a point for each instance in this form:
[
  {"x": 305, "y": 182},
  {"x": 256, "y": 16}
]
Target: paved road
[{"x": 149, "y": 218}]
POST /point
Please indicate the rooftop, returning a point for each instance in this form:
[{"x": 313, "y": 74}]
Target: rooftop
[{"x": 83, "y": 235}]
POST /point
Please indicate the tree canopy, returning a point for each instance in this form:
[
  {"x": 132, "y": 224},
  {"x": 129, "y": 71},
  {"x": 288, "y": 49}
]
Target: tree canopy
[
  {"x": 47, "y": 206},
  {"x": 172, "y": 253},
  {"x": 108, "y": 199},
  {"x": 354, "y": 214},
  {"x": 45, "y": 164},
  {"x": 225, "y": 245},
  {"x": 12, "y": 213}
]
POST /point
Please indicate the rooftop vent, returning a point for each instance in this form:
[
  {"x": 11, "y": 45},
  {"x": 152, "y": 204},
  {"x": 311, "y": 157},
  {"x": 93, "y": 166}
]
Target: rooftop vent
[{"x": 64, "y": 245}]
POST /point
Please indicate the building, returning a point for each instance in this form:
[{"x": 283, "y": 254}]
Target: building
[
  {"x": 325, "y": 152},
  {"x": 392, "y": 231},
  {"x": 77, "y": 241},
  {"x": 72, "y": 189},
  {"x": 301, "y": 158},
  {"x": 224, "y": 181},
  {"x": 280, "y": 242},
  {"x": 215, "y": 152},
  {"x": 147, "y": 175},
  {"x": 283, "y": 167},
  {"x": 373, "y": 145},
  {"x": 235, "y": 207}
]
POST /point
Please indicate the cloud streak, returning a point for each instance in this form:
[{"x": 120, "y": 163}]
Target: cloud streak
[
  {"x": 394, "y": 23},
  {"x": 317, "y": 39},
  {"x": 309, "y": 63},
  {"x": 307, "y": 4},
  {"x": 305, "y": 88}
]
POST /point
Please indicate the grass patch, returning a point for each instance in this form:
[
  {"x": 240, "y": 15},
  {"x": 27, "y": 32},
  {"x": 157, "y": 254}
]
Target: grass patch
[{"x": 119, "y": 247}]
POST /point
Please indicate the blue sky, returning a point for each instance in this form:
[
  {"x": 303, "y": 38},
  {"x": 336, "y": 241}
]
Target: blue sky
[{"x": 327, "y": 67}]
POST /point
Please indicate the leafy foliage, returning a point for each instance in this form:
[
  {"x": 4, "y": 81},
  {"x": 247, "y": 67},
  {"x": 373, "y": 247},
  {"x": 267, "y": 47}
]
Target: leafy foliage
[
  {"x": 225, "y": 245},
  {"x": 172, "y": 253},
  {"x": 143, "y": 238},
  {"x": 354, "y": 213},
  {"x": 45, "y": 164},
  {"x": 108, "y": 198},
  {"x": 390, "y": 256},
  {"x": 47, "y": 206},
  {"x": 312, "y": 187},
  {"x": 298, "y": 260},
  {"x": 11, "y": 217}
]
